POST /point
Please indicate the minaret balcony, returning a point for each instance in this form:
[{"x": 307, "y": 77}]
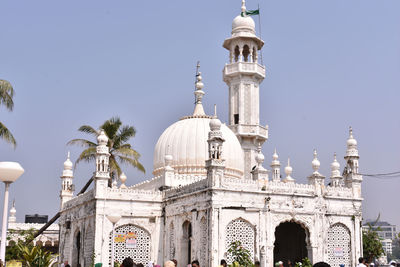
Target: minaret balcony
[
  {"x": 247, "y": 68},
  {"x": 246, "y": 130}
]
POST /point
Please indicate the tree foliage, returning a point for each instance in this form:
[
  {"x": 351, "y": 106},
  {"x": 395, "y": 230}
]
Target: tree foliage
[
  {"x": 372, "y": 246},
  {"x": 6, "y": 99},
  {"x": 121, "y": 152},
  {"x": 241, "y": 256}
]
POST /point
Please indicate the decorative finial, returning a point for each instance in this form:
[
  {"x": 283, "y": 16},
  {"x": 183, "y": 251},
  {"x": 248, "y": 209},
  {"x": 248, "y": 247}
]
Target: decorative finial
[
  {"x": 351, "y": 132},
  {"x": 198, "y": 109},
  {"x": 122, "y": 178},
  {"x": 315, "y": 163},
  {"x": 68, "y": 155},
  {"x": 288, "y": 172},
  {"x": 215, "y": 110},
  {"x": 243, "y": 6}
]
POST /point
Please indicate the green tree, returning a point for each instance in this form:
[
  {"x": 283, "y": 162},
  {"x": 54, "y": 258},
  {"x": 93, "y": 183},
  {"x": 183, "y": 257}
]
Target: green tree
[
  {"x": 6, "y": 99},
  {"x": 35, "y": 256},
  {"x": 120, "y": 150},
  {"x": 241, "y": 256},
  {"x": 15, "y": 238},
  {"x": 372, "y": 246}
]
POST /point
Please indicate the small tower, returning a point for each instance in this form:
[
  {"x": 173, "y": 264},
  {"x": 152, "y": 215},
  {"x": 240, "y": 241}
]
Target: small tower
[
  {"x": 316, "y": 178},
  {"x": 67, "y": 186},
  {"x": 336, "y": 178},
  {"x": 352, "y": 178},
  {"x": 12, "y": 218},
  {"x": 168, "y": 173},
  {"x": 275, "y": 167},
  {"x": 123, "y": 178},
  {"x": 243, "y": 75},
  {"x": 215, "y": 164},
  {"x": 259, "y": 172},
  {"x": 288, "y": 172},
  {"x": 102, "y": 175}
]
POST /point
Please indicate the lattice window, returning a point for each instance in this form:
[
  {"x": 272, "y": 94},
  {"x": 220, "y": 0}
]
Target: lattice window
[
  {"x": 240, "y": 230},
  {"x": 171, "y": 241},
  {"x": 203, "y": 242},
  {"x": 339, "y": 245},
  {"x": 140, "y": 253}
]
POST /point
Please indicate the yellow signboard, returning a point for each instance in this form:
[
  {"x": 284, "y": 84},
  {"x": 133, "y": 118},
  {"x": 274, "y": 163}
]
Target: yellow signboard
[{"x": 14, "y": 264}]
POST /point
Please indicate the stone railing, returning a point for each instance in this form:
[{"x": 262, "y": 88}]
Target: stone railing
[
  {"x": 249, "y": 67},
  {"x": 134, "y": 194},
  {"x": 198, "y": 185},
  {"x": 82, "y": 198},
  {"x": 240, "y": 184},
  {"x": 338, "y": 191},
  {"x": 290, "y": 188}
]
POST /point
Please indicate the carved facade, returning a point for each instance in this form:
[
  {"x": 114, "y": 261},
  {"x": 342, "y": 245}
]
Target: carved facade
[{"x": 210, "y": 188}]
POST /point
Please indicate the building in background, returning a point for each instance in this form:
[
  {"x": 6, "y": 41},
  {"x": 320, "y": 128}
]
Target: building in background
[
  {"x": 384, "y": 229},
  {"x": 48, "y": 239}
]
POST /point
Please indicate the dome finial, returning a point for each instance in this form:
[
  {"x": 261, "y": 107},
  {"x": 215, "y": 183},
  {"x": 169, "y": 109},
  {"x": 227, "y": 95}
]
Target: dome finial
[
  {"x": 215, "y": 110},
  {"x": 243, "y": 6},
  {"x": 315, "y": 163},
  {"x": 198, "y": 93}
]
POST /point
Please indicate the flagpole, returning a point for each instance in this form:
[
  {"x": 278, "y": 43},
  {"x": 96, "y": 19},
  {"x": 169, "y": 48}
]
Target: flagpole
[{"x": 259, "y": 27}]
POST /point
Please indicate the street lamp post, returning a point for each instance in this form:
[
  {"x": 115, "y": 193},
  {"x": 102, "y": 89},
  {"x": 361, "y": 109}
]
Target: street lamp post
[
  {"x": 113, "y": 219},
  {"x": 9, "y": 173}
]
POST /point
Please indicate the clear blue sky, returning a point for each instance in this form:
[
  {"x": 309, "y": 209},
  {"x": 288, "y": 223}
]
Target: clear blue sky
[{"x": 330, "y": 64}]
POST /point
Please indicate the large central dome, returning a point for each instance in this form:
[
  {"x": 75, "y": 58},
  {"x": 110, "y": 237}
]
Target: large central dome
[{"x": 186, "y": 142}]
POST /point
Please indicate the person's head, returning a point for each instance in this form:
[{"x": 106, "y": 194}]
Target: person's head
[
  {"x": 393, "y": 263},
  {"x": 360, "y": 260},
  {"x": 223, "y": 263},
  {"x": 175, "y": 262},
  {"x": 127, "y": 262},
  {"x": 256, "y": 264},
  {"x": 139, "y": 265},
  {"x": 195, "y": 263},
  {"x": 169, "y": 264},
  {"x": 67, "y": 265}
]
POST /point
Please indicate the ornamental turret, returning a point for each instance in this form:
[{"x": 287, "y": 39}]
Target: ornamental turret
[
  {"x": 102, "y": 174},
  {"x": 259, "y": 172},
  {"x": 275, "y": 167},
  {"x": 316, "y": 178},
  {"x": 215, "y": 164},
  {"x": 67, "y": 186},
  {"x": 13, "y": 212},
  {"x": 243, "y": 75},
  {"x": 336, "y": 178},
  {"x": 352, "y": 178},
  {"x": 288, "y": 172}
]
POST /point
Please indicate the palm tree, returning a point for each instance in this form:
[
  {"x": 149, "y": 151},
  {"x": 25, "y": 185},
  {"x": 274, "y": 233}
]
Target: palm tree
[
  {"x": 120, "y": 150},
  {"x": 6, "y": 99}
]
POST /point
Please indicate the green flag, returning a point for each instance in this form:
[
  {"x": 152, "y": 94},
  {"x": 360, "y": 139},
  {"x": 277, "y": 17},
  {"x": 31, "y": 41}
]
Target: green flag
[{"x": 250, "y": 12}]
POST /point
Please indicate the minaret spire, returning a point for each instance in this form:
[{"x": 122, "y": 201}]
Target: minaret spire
[
  {"x": 243, "y": 6},
  {"x": 198, "y": 93}
]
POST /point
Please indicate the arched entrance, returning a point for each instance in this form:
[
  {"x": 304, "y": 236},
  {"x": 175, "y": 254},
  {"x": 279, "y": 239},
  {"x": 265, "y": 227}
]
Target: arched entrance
[
  {"x": 76, "y": 250},
  {"x": 290, "y": 243},
  {"x": 186, "y": 243}
]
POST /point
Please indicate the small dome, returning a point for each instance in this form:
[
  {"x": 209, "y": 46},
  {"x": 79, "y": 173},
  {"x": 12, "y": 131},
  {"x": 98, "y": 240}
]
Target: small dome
[
  {"x": 215, "y": 124},
  {"x": 68, "y": 164},
  {"x": 260, "y": 158},
  {"x": 315, "y": 163},
  {"x": 102, "y": 139},
  {"x": 351, "y": 142},
  {"x": 245, "y": 24},
  {"x": 186, "y": 142},
  {"x": 335, "y": 165}
]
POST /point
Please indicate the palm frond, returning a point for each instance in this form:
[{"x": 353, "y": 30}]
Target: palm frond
[
  {"x": 82, "y": 143},
  {"x": 6, "y": 94},
  {"x": 132, "y": 162},
  {"x": 89, "y": 130},
  {"x": 114, "y": 166},
  {"x": 126, "y": 152},
  {"x": 126, "y": 132},
  {"x": 87, "y": 155},
  {"x": 111, "y": 127},
  {"x": 6, "y": 135}
]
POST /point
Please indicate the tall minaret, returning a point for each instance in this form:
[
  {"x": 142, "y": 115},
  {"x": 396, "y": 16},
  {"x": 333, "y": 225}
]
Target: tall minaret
[
  {"x": 67, "y": 186},
  {"x": 352, "y": 178},
  {"x": 12, "y": 218},
  {"x": 102, "y": 174},
  {"x": 243, "y": 74}
]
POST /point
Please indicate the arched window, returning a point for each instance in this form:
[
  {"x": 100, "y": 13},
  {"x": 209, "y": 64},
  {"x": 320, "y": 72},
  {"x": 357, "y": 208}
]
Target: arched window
[
  {"x": 254, "y": 54},
  {"x": 237, "y": 53},
  {"x": 339, "y": 245},
  {"x": 243, "y": 231},
  {"x": 246, "y": 52},
  {"x": 131, "y": 241}
]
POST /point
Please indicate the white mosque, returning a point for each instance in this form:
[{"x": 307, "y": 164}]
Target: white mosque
[{"x": 211, "y": 187}]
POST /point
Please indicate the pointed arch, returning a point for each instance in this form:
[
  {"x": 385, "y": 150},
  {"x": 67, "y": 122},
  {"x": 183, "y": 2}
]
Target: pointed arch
[
  {"x": 246, "y": 53},
  {"x": 240, "y": 230}
]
